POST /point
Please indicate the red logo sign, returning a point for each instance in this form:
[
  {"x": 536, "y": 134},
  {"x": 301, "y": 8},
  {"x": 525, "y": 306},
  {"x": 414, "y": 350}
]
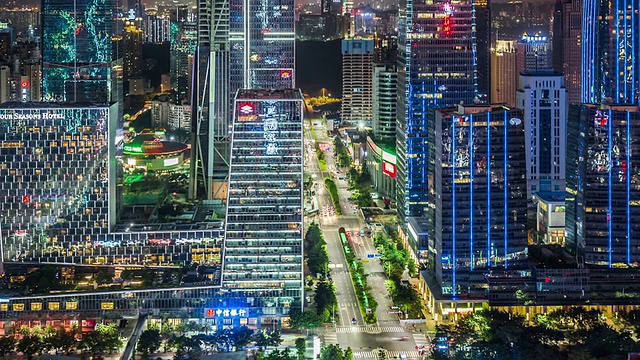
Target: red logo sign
[{"x": 389, "y": 169}]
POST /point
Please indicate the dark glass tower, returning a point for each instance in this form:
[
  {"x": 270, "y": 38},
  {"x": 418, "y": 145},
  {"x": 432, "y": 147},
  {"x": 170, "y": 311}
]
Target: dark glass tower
[
  {"x": 82, "y": 59},
  {"x": 610, "y": 47},
  {"x": 436, "y": 68},
  {"x": 478, "y": 191},
  {"x": 603, "y": 197},
  {"x": 484, "y": 43}
]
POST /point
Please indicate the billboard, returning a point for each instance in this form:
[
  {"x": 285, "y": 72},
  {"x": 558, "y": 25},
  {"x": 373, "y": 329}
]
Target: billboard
[{"x": 389, "y": 169}]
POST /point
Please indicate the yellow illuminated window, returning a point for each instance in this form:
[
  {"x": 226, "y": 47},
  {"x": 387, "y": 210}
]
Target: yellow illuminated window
[
  {"x": 54, "y": 306},
  {"x": 4, "y": 307},
  {"x": 35, "y": 306},
  {"x": 71, "y": 305},
  {"x": 18, "y": 307},
  {"x": 107, "y": 306}
]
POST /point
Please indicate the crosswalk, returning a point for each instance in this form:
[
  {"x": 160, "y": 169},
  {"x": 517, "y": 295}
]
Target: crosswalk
[
  {"x": 369, "y": 329},
  {"x": 330, "y": 338},
  {"x": 412, "y": 355}
]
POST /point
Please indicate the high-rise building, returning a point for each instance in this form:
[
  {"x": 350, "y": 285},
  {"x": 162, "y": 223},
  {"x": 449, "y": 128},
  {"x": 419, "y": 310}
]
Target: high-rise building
[
  {"x": 567, "y": 40},
  {"x": 6, "y": 41},
  {"x": 385, "y": 92},
  {"x": 484, "y": 44},
  {"x": 504, "y": 78},
  {"x": 247, "y": 50},
  {"x": 533, "y": 52},
  {"x": 543, "y": 99},
  {"x": 6, "y": 80},
  {"x": 184, "y": 40},
  {"x": 156, "y": 25},
  {"x": 133, "y": 38},
  {"x": 602, "y": 194},
  {"x": 357, "y": 83},
  {"x": 478, "y": 191},
  {"x": 82, "y": 58},
  {"x": 436, "y": 68},
  {"x": 610, "y": 45},
  {"x": 264, "y": 223}
]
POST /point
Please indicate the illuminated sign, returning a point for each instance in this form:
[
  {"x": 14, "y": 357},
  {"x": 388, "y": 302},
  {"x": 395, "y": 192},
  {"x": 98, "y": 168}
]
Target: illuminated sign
[
  {"x": 247, "y": 118},
  {"x": 211, "y": 313},
  {"x": 601, "y": 118},
  {"x": 389, "y": 169},
  {"x": 24, "y": 84},
  {"x": 246, "y": 109},
  {"x": 515, "y": 121},
  {"x": 446, "y": 20},
  {"x": 388, "y": 157},
  {"x": 134, "y": 149},
  {"x": 171, "y": 162},
  {"x": 285, "y": 74},
  {"x": 36, "y": 115},
  {"x": 270, "y": 127}
]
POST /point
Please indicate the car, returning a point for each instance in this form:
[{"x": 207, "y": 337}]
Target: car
[
  {"x": 403, "y": 356},
  {"x": 354, "y": 321}
]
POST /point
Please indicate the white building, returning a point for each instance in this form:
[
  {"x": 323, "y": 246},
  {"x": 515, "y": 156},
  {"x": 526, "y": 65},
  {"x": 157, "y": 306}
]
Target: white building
[
  {"x": 385, "y": 92},
  {"x": 179, "y": 117},
  {"x": 357, "y": 85},
  {"x": 543, "y": 98}
]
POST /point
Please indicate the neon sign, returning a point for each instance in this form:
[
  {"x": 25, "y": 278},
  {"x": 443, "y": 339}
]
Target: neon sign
[
  {"x": 246, "y": 109},
  {"x": 285, "y": 74},
  {"x": 211, "y": 313},
  {"x": 389, "y": 169},
  {"x": 446, "y": 21}
]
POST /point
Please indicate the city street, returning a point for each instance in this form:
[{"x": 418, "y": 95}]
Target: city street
[{"x": 364, "y": 339}]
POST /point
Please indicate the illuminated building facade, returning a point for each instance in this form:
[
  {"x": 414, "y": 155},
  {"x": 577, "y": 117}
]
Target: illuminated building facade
[
  {"x": 60, "y": 196},
  {"x": 385, "y": 93},
  {"x": 436, "y": 68},
  {"x": 184, "y": 39},
  {"x": 533, "y": 52},
  {"x": 262, "y": 43},
  {"x": 567, "y": 45},
  {"x": 357, "y": 83},
  {"x": 262, "y": 257},
  {"x": 504, "y": 78},
  {"x": 479, "y": 214},
  {"x": 81, "y": 51},
  {"x": 543, "y": 98},
  {"x": 602, "y": 196},
  {"x": 610, "y": 46}
]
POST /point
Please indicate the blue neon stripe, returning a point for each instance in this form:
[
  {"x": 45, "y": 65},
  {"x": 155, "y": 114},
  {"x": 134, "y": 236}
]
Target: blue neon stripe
[
  {"x": 506, "y": 184},
  {"x": 488, "y": 190},
  {"x": 453, "y": 197},
  {"x": 628, "y": 152},
  {"x": 471, "y": 162},
  {"x": 610, "y": 185}
]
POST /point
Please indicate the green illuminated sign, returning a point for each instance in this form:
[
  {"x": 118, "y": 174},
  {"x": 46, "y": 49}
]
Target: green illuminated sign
[{"x": 135, "y": 149}]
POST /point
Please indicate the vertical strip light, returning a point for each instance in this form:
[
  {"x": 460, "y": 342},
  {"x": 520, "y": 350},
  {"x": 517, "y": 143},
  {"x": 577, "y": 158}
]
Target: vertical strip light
[
  {"x": 471, "y": 163},
  {"x": 505, "y": 123},
  {"x": 453, "y": 206},
  {"x": 609, "y": 186},
  {"x": 488, "y": 121},
  {"x": 628, "y": 187}
]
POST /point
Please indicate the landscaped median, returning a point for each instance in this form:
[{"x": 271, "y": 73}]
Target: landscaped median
[
  {"x": 368, "y": 305},
  {"x": 333, "y": 190}
]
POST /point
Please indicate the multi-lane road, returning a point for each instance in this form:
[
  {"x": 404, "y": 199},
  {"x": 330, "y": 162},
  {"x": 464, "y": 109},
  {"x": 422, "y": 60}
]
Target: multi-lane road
[{"x": 365, "y": 340}]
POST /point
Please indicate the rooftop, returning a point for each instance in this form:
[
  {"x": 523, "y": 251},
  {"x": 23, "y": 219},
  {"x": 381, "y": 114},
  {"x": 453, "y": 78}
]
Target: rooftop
[
  {"x": 274, "y": 94},
  {"x": 551, "y": 196},
  {"x": 46, "y": 105}
]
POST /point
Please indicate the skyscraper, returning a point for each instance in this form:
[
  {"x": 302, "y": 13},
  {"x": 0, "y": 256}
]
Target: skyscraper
[
  {"x": 603, "y": 199},
  {"x": 436, "y": 68},
  {"x": 357, "y": 83},
  {"x": 543, "y": 98},
  {"x": 504, "y": 78},
  {"x": 567, "y": 43},
  {"x": 385, "y": 93},
  {"x": 251, "y": 45},
  {"x": 478, "y": 191},
  {"x": 81, "y": 53},
  {"x": 484, "y": 43},
  {"x": 533, "y": 52},
  {"x": 610, "y": 46},
  {"x": 264, "y": 223}
]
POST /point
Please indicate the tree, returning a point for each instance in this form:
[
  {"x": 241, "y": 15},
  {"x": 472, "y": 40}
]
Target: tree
[
  {"x": 7, "y": 345},
  {"x": 277, "y": 354},
  {"x": 148, "y": 342},
  {"x": 331, "y": 352},
  {"x": 187, "y": 348},
  {"x": 325, "y": 298},
  {"x": 62, "y": 339},
  {"x": 317, "y": 259},
  {"x": 42, "y": 280},
  {"x": 103, "y": 277},
  {"x": 301, "y": 348},
  {"x": 241, "y": 336},
  {"x": 305, "y": 320},
  {"x": 30, "y": 345}
]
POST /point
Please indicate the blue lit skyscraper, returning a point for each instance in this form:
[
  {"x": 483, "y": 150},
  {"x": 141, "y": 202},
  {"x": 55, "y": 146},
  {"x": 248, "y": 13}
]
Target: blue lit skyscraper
[
  {"x": 82, "y": 59},
  {"x": 478, "y": 190},
  {"x": 610, "y": 48},
  {"x": 436, "y": 68},
  {"x": 603, "y": 200}
]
